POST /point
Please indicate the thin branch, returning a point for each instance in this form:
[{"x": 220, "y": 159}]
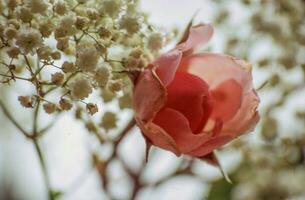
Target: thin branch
[
  {"x": 11, "y": 118},
  {"x": 39, "y": 152},
  {"x": 44, "y": 168}
]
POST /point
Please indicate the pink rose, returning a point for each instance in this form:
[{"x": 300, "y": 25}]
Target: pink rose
[{"x": 192, "y": 103}]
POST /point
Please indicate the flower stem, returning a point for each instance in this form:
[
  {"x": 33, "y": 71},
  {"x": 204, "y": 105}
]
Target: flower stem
[{"x": 44, "y": 168}]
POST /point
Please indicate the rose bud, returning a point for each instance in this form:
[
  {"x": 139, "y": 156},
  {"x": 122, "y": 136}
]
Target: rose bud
[{"x": 193, "y": 103}]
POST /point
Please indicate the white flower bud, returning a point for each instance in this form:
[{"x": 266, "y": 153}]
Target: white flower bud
[
  {"x": 92, "y": 108},
  {"x": 57, "y": 78},
  {"x": 68, "y": 67},
  {"x": 49, "y": 108},
  {"x": 25, "y": 101},
  {"x": 109, "y": 120},
  {"x": 115, "y": 85},
  {"x": 65, "y": 104}
]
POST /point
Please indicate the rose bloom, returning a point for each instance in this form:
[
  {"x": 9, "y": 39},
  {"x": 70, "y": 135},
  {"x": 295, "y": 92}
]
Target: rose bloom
[{"x": 192, "y": 103}]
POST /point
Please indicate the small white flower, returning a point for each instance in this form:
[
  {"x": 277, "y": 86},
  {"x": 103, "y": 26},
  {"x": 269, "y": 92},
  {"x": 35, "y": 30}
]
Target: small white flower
[
  {"x": 28, "y": 39},
  {"x": 155, "y": 42},
  {"x": 109, "y": 120},
  {"x": 24, "y": 14},
  {"x": 111, "y": 7},
  {"x": 87, "y": 58},
  {"x": 37, "y": 6},
  {"x": 130, "y": 24},
  {"x": 102, "y": 75},
  {"x": 81, "y": 88},
  {"x": 60, "y": 7}
]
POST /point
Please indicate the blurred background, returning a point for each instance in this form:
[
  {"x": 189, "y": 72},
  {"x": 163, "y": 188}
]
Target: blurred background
[{"x": 268, "y": 164}]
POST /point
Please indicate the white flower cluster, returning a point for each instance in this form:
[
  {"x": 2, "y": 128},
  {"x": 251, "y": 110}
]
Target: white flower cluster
[{"x": 97, "y": 43}]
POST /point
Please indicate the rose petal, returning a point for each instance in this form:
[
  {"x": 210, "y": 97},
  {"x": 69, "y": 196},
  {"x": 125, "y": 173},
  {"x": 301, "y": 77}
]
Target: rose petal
[
  {"x": 177, "y": 126},
  {"x": 227, "y": 98},
  {"x": 198, "y": 35},
  {"x": 149, "y": 95},
  {"x": 158, "y": 137},
  {"x": 168, "y": 63},
  {"x": 189, "y": 95},
  {"x": 166, "y": 66},
  {"x": 216, "y": 68},
  {"x": 211, "y": 145},
  {"x": 246, "y": 118}
]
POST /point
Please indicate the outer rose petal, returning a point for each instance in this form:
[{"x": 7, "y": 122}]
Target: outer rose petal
[
  {"x": 216, "y": 68},
  {"x": 198, "y": 35},
  {"x": 209, "y": 146},
  {"x": 246, "y": 118},
  {"x": 168, "y": 63},
  {"x": 177, "y": 126},
  {"x": 149, "y": 95},
  {"x": 227, "y": 98},
  {"x": 158, "y": 136}
]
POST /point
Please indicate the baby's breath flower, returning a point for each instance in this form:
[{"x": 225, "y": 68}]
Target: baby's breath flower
[
  {"x": 56, "y": 55},
  {"x": 78, "y": 112},
  {"x": 81, "y": 88},
  {"x": 60, "y": 7},
  {"x": 90, "y": 126},
  {"x": 109, "y": 120},
  {"x": 155, "y": 42},
  {"x": 92, "y": 14},
  {"x": 24, "y": 14},
  {"x": 28, "y": 39},
  {"x": 44, "y": 52},
  {"x": 10, "y": 32},
  {"x": 131, "y": 62},
  {"x": 37, "y": 6},
  {"x": 68, "y": 67},
  {"x": 125, "y": 101},
  {"x": 108, "y": 95},
  {"x": 46, "y": 28},
  {"x": 92, "y": 108},
  {"x": 13, "y": 52},
  {"x": 14, "y": 22},
  {"x": 57, "y": 78},
  {"x": 104, "y": 32},
  {"x": 65, "y": 104},
  {"x": 102, "y": 75},
  {"x": 136, "y": 52},
  {"x": 87, "y": 58},
  {"x": 81, "y": 22},
  {"x": 12, "y": 3},
  {"x": 130, "y": 24},
  {"x": 62, "y": 43},
  {"x": 111, "y": 7},
  {"x": 49, "y": 108},
  {"x": 25, "y": 101},
  {"x": 115, "y": 85},
  {"x": 66, "y": 26}
]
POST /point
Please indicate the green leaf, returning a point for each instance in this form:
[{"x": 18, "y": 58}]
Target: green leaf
[{"x": 220, "y": 190}]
